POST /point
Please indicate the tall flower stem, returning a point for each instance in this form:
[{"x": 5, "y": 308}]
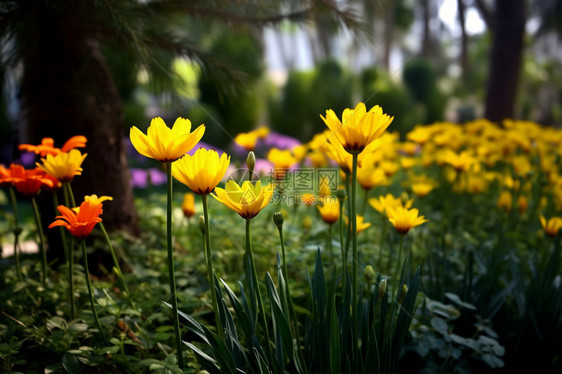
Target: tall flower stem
[
  {"x": 17, "y": 232},
  {"x": 396, "y": 274},
  {"x": 90, "y": 292},
  {"x": 70, "y": 195},
  {"x": 41, "y": 241},
  {"x": 172, "y": 277},
  {"x": 349, "y": 201},
  {"x": 286, "y": 276},
  {"x": 67, "y": 192},
  {"x": 343, "y": 251},
  {"x": 255, "y": 280},
  {"x": 210, "y": 271},
  {"x": 353, "y": 221},
  {"x": 61, "y": 229},
  {"x": 381, "y": 243},
  {"x": 116, "y": 263},
  {"x": 329, "y": 244}
]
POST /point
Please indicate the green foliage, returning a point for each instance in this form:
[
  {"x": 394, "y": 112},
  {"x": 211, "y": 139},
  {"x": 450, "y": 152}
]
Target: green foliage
[
  {"x": 293, "y": 100},
  {"x": 239, "y": 112},
  {"x": 307, "y": 95},
  {"x": 420, "y": 78},
  {"x": 393, "y": 98}
]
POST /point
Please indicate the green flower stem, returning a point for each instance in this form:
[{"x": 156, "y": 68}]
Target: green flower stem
[
  {"x": 348, "y": 192},
  {"x": 71, "y": 279},
  {"x": 172, "y": 277},
  {"x": 396, "y": 274},
  {"x": 381, "y": 244},
  {"x": 255, "y": 279},
  {"x": 70, "y": 195},
  {"x": 61, "y": 229},
  {"x": 116, "y": 263},
  {"x": 210, "y": 271},
  {"x": 90, "y": 293},
  {"x": 329, "y": 244},
  {"x": 343, "y": 251},
  {"x": 365, "y": 201},
  {"x": 66, "y": 193},
  {"x": 17, "y": 232},
  {"x": 289, "y": 298},
  {"x": 41, "y": 241},
  {"x": 353, "y": 220}
]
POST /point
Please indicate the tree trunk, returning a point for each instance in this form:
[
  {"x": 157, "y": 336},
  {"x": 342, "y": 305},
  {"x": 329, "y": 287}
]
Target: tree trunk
[
  {"x": 67, "y": 90},
  {"x": 505, "y": 59},
  {"x": 464, "y": 40},
  {"x": 389, "y": 20},
  {"x": 426, "y": 36}
]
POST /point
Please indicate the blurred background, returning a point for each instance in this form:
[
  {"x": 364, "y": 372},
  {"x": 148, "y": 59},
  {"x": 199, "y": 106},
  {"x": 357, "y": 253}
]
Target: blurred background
[{"x": 96, "y": 68}]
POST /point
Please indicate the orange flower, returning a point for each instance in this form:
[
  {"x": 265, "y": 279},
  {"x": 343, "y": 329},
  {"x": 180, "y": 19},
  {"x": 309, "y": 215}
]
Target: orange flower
[
  {"x": 47, "y": 146},
  {"x": 6, "y": 175},
  {"x": 81, "y": 220},
  {"x": 188, "y": 205},
  {"x": 28, "y": 182}
]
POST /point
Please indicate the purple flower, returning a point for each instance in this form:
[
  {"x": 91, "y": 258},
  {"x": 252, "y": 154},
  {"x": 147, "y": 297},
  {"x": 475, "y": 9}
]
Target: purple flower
[
  {"x": 276, "y": 140},
  {"x": 139, "y": 178},
  {"x": 205, "y": 146},
  {"x": 27, "y": 159},
  {"x": 156, "y": 177}
]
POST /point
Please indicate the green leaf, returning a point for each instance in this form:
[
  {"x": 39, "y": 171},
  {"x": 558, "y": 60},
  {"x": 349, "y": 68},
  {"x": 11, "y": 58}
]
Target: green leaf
[
  {"x": 335, "y": 354},
  {"x": 70, "y": 363}
]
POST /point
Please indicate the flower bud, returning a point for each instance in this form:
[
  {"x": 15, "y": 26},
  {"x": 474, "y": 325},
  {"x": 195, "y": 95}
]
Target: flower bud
[
  {"x": 369, "y": 274},
  {"x": 307, "y": 223},
  {"x": 341, "y": 194},
  {"x": 278, "y": 219},
  {"x": 251, "y": 161},
  {"x": 202, "y": 224}
]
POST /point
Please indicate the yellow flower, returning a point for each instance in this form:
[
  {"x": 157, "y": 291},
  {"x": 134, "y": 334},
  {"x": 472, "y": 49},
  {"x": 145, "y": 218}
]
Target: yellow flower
[
  {"x": 262, "y": 132},
  {"x": 317, "y": 159},
  {"x": 419, "y": 134},
  {"x": 281, "y": 159},
  {"x": 422, "y": 189},
  {"x": 64, "y": 166},
  {"x": 246, "y": 200},
  {"x": 390, "y": 168},
  {"x": 552, "y": 226},
  {"x": 247, "y": 140},
  {"x": 383, "y": 203},
  {"x": 324, "y": 189},
  {"x": 409, "y": 148},
  {"x": 202, "y": 171},
  {"x": 505, "y": 201},
  {"x": 369, "y": 176},
  {"x": 408, "y": 162},
  {"x": 94, "y": 199},
  {"x": 299, "y": 151},
  {"x": 361, "y": 226},
  {"x": 308, "y": 198},
  {"x": 358, "y": 127},
  {"x": 460, "y": 162},
  {"x": 404, "y": 219},
  {"x": 188, "y": 205},
  {"x": 330, "y": 210},
  {"x": 165, "y": 144},
  {"x": 522, "y": 203}
]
